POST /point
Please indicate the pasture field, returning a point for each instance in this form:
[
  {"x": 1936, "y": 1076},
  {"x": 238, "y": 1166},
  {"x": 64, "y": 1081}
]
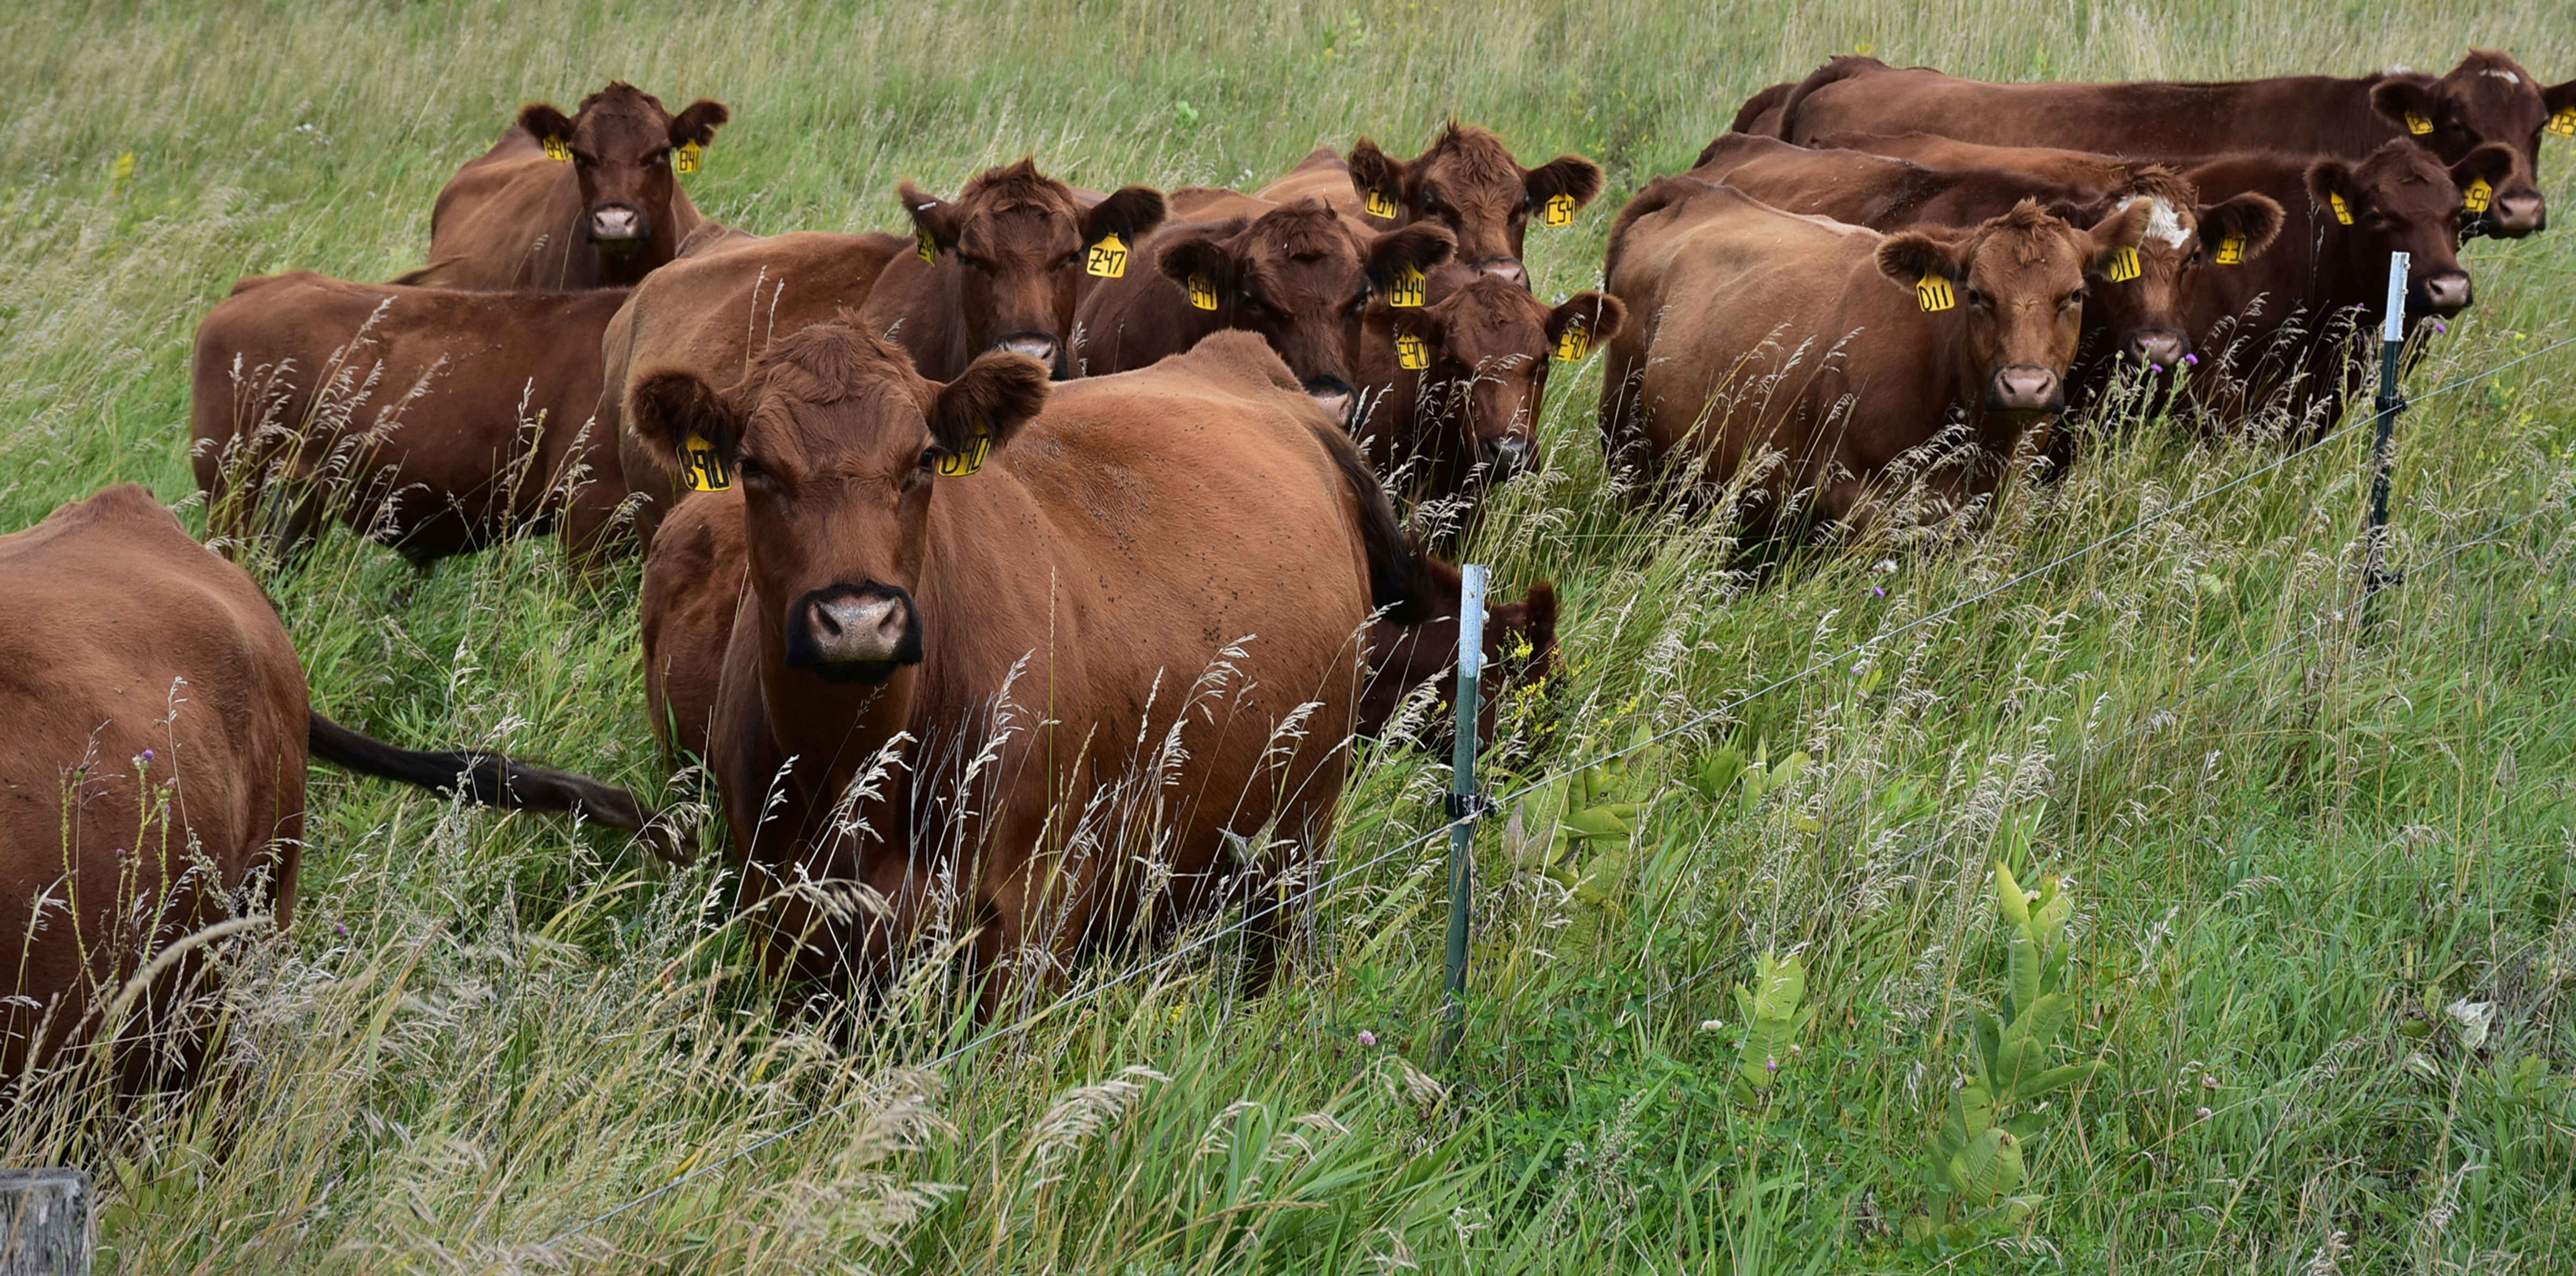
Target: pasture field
[{"x": 2324, "y": 878}]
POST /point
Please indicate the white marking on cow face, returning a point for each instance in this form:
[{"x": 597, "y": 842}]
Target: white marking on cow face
[
  {"x": 2506, "y": 76},
  {"x": 2166, "y": 225}
]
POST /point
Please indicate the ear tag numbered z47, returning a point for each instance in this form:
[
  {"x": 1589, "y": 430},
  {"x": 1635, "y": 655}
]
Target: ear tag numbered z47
[
  {"x": 2564, "y": 123},
  {"x": 558, "y": 150},
  {"x": 1933, "y": 292},
  {"x": 2231, "y": 251},
  {"x": 925, "y": 245},
  {"x": 1202, "y": 292},
  {"x": 1575, "y": 343},
  {"x": 2342, "y": 210},
  {"x": 702, "y": 469},
  {"x": 2417, "y": 124},
  {"x": 960, "y": 464},
  {"x": 1407, "y": 291},
  {"x": 1557, "y": 211},
  {"x": 691, "y": 157},
  {"x": 1108, "y": 258},
  {"x": 2477, "y": 196},
  {"x": 1410, "y": 353},
  {"x": 1379, "y": 204},
  {"x": 2125, "y": 266}
]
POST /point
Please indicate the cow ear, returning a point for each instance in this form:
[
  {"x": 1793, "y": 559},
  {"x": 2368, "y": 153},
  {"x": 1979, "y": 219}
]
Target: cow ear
[
  {"x": 931, "y": 215},
  {"x": 1200, "y": 254},
  {"x": 1129, "y": 211},
  {"x": 1600, "y": 315},
  {"x": 1421, "y": 246},
  {"x": 2559, "y": 97},
  {"x": 2329, "y": 178},
  {"x": 2493, "y": 161},
  {"x": 999, "y": 393},
  {"x": 1910, "y": 257},
  {"x": 1565, "y": 175},
  {"x": 1375, "y": 170},
  {"x": 2254, "y": 218},
  {"x": 669, "y": 406},
  {"x": 699, "y": 123},
  {"x": 544, "y": 123},
  {"x": 2125, "y": 226},
  {"x": 2399, "y": 96}
]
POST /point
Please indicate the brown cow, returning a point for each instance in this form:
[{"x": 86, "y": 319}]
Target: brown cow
[
  {"x": 711, "y": 311},
  {"x": 1297, "y": 274},
  {"x": 431, "y": 419},
  {"x": 2276, "y": 337},
  {"x": 971, "y": 703},
  {"x": 1804, "y": 360},
  {"x": 1453, "y": 389},
  {"x": 152, "y": 779},
  {"x": 2488, "y": 97},
  {"x": 588, "y": 201},
  {"x": 1002, "y": 266},
  {"x": 1520, "y": 655},
  {"x": 1467, "y": 180}
]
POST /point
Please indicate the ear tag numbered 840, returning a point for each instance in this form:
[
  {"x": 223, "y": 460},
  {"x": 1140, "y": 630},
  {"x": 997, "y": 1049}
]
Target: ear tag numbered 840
[
  {"x": 2478, "y": 196},
  {"x": 1557, "y": 211},
  {"x": 1108, "y": 258},
  {"x": 1933, "y": 293},
  {"x": 2125, "y": 265},
  {"x": 1575, "y": 343},
  {"x": 979, "y": 445},
  {"x": 558, "y": 150},
  {"x": 1202, "y": 292},
  {"x": 2342, "y": 210},
  {"x": 1407, "y": 291},
  {"x": 691, "y": 157},
  {"x": 1379, "y": 204},
  {"x": 2231, "y": 251},
  {"x": 1410, "y": 353},
  {"x": 702, "y": 469}
]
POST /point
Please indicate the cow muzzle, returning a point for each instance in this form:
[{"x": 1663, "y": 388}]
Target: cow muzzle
[
  {"x": 2158, "y": 348},
  {"x": 1508, "y": 269},
  {"x": 619, "y": 229},
  {"x": 854, "y": 633},
  {"x": 1509, "y": 456},
  {"x": 1041, "y": 346},
  {"x": 2025, "y": 388},
  {"x": 1333, "y": 395},
  {"x": 2445, "y": 293},
  {"x": 2516, "y": 214}
]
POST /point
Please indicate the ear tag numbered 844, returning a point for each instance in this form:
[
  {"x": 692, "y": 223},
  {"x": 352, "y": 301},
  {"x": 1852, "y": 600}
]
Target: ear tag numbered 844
[
  {"x": 1379, "y": 204},
  {"x": 2125, "y": 266},
  {"x": 1933, "y": 292},
  {"x": 1407, "y": 291},
  {"x": 1558, "y": 211},
  {"x": 1108, "y": 258},
  {"x": 1575, "y": 343},
  {"x": 959, "y": 464},
  {"x": 558, "y": 149},
  {"x": 702, "y": 469},
  {"x": 1410, "y": 353},
  {"x": 689, "y": 158},
  {"x": 1202, "y": 292}
]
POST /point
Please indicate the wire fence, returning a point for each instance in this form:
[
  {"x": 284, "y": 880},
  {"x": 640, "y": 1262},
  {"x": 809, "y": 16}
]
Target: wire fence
[{"x": 1307, "y": 894}]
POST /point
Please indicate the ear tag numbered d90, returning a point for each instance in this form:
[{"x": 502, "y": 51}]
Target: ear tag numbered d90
[
  {"x": 2342, "y": 210},
  {"x": 702, "y": 469},
  {"x": 2478, "y": 196},
  {"x": 2417, "y": 124},
  {"x": 1933, "y": 292},
  {"x": 959, "y": 464},
  {"x": 1557, "y": 211},
  {"x": 925, "y": 245},
  {"x": 1575, "y": 343},
  {"x": 2231, "y": 251},
  {"x": 691, "y": 157},
  {"x": 2125, "y": 265},
  {"x": 2564, "y": 123},
  {"x": 1410, "y": 353},
  {"x": 558, "y": 149},
  {"x": 1407, "y": 291},
  {"x": 1108, "y": 258},
  {"x": 1379, "y": 204},
  {"x": 1202, "y": 292}
]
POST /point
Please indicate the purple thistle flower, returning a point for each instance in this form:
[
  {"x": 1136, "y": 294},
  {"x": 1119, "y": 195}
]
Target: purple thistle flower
[
  {"x": 1367, "y": 1038},
  {"x": 2191, "y": 361}
]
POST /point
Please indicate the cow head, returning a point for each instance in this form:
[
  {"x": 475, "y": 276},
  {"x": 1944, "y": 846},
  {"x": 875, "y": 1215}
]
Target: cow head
[
  {"x": 2401, "y": 199},
  {"x": 1469, "y": 182},
  {"x": 1300, "y": 276},
  {"x": 621, "y": 141},
  {"x": 1018, "y": 240},
  {"x": 2487, "y": 98},
  {"x": 838, "y": 445},
  {"x": 2146, "y": 312},
  {"x": 1488, "y": 346},
  {"x": 2021, "y": 281}
]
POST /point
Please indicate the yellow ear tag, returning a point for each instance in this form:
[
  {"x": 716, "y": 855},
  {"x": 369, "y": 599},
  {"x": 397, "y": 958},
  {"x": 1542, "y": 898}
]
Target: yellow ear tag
[
  {"x": 689, "y": 158},
  {"x": 1410, "y": 353},
  {"x": 1573, "y": 344},
  {"x": 1108, "y": 259},
  {"x": 1409, "y": 288},
  {"x": 2342, "y": 210},
  {"x": 1379, "y": 205},
  {"x": 2231, "y": 251},
  {"x": 558, "y": 149},
  {"x": 2477, "y": 196},
  {"x": 1933, "y": 293},
  {"x": 926, "y": 246},
  {"x": 2564, "y": 123},
  {"x": 961, "y": 464},
  {"x": 2125, "y": 267},
  {"x": 704, "y": 471},
  {"x": 1202, "y": 292},
  {"x": 2417, "y": 124},
  {"x": 1558, "y": 211}
]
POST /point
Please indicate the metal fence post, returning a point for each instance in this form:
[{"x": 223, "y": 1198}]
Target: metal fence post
[
  {"x": 2383, "y": 452},
  {"x": 1466, "y": 803}
]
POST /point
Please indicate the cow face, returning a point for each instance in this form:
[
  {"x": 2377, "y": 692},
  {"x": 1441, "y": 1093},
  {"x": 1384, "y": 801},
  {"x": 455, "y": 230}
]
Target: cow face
[
  {"x": 1469, "y": 182},
  {"x": 1018, "y": 239},
  {"x": 2488, "y": 98},
  {"x": 1488, "y": 347},
  {"x": 2401, "y": 199},
  {"x": 2023, "y": 278},
  {"x": 838, "y": 445},
  {"x": 1301, "y": 277},
  {"x": 2144, "y": 303},
  {"x": 621, "y": 141}
]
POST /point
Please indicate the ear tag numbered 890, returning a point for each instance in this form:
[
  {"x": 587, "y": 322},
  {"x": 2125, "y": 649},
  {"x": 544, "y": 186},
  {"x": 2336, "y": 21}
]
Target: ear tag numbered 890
[
  {"x": 960, "y": 464},
  {"x": 2231, "y": 251},
  {"x": 1557, "y": 211},
  {"x": 2125, "y": 266},
  {"x": 1933, "y": 293},
  {"x": 1202, "y": 292},
  {"x": 2342, "y": 210},
  {"x": 1407, "y": 291},
  {"x": 1410, "y": 353},
  {"x": 1379, "y": 204},
  {"x": 702, "y": 469},
  {"x": 558, "y": 150},
  {"x": 2417, "y": 124},
  {"x": 1575, "y": 343},
  {"x": 1108, "y": 258},
  {"x": 2477, "y": 196},
  {"x": 2564, "y": 123}
]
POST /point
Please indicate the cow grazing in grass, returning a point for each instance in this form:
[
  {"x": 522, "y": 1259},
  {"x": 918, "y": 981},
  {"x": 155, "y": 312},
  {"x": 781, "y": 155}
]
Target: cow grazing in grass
[
  {"x": 1822, "y": 368},
  {"x": 1466, "y": 180},
  {"x": 152, "y": 780},
  {"x": 1519, "y": 656},
  {"x": 590, "y": 200}
]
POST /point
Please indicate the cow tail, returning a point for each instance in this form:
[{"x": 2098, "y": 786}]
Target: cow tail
[
  {"x": 1777, "y": 96},
  {"x": 486, "y": 779},
  {"x": 1400, "y": 583},
  {"x": 1848, "y": 66}
]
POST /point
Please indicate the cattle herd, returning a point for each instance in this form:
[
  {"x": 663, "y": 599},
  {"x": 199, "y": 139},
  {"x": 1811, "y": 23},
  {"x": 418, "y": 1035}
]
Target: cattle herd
[{"x": 1021, "y": 578}]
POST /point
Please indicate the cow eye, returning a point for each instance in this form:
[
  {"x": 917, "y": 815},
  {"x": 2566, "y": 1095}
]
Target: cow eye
[
  {"x": 751, "y": 471},
  {"x": 1069, "y": 260},
  {"x": 971, "y": 263},
  {"x": 1979, "y": 300},
  {"x": 929, "y": 458},
  {"x": 2072, "y": 300},
  {"x": 662, "y": 156}
]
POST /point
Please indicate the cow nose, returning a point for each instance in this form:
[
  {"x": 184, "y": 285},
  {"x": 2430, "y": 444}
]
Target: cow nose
[
  {"x": 2448, "y": 292},
  {"x": 1333, "y": 395},
  {"x": 849, "y": 628},
  {"x": 1508, "y": 269},
  {"x": 2162, "y": 349},
  {"x": 616, "y": 224},
  {"x": 2519, "y": 213},
  {"x": 1036, "y": 345},
  {"x": 1509, "y": 455},
  {"x": 2024, "y": 388}
]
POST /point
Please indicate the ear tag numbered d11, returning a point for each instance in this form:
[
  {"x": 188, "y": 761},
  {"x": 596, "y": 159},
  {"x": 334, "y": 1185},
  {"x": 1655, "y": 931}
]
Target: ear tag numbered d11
[
  {"x": 558, "y": 149},
  {"x": 2231, "y": 251},
  {"x": 1557, "y": 211},
  {"x": 2342, "y": 210},
  {"x": 925, "y": 245},
  {"x": 2564, "y": 123},
  {"x": 1407, "y": 291},
  {"x": 1379, "y": 204},
  {"x": 2417, "y": 124},
  {"x": 703, "y": 469},
  {"x": 1202, "y": 292},
  {"x": 691, "y": 157},
  {"x": 1410, "y": 353},
  {"x": 1933, "y": 292},
  {"x": 979, "y": 445},
  {"x": 1575, "y": 343},
  {"x": 2477, "y": 196},
  {"x": 1108, "y": 258},
  {"x": 2125, "y": 265}
]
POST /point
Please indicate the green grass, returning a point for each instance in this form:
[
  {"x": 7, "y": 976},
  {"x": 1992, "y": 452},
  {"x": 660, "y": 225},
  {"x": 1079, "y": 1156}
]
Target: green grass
[{"x": 2294, "y": 842}]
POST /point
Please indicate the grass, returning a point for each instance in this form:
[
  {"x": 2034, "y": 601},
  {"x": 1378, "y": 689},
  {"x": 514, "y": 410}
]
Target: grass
[{"x": 2294, "y": 843}]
